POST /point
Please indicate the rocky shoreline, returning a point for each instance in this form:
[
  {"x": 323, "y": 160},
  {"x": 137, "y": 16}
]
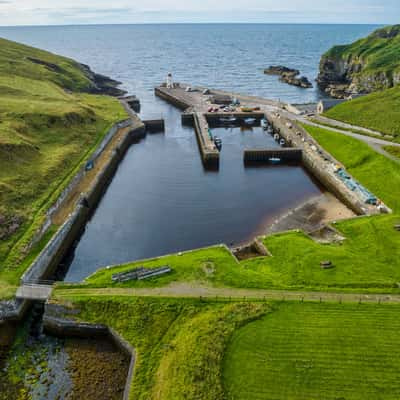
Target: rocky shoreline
[
  {"x": 102, "y": 84},
  {"x": 289, "y": 76},
  {"x": 349, "y": 70}
]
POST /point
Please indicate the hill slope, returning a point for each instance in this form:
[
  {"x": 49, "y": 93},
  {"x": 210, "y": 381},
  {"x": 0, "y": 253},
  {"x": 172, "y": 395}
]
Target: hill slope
[
  {"x": 379, "y": 111},
  {"x": 364, "y": 66},
  {"x": 47, "y": 127}
]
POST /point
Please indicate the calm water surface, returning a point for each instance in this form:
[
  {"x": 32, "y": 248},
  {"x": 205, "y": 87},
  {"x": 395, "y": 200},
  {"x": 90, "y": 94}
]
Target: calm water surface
[{"x": 161, "y": 199}]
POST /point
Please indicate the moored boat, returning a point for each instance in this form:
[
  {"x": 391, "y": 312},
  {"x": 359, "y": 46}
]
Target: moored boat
[
  {"x": 264, "y": 124},
  {"x": 274, "y": 160},
  {"x": 228, "y": 120},
  {"x": 218, "y": 142},
  {"x": 250, "y": 121}
]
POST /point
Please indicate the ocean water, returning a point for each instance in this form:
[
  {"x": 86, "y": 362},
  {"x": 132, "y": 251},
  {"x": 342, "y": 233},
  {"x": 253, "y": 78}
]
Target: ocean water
[{"x": 161, "y": 199}]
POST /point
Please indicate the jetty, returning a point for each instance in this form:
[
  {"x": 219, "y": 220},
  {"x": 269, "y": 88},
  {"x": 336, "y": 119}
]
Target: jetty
[{"x": 202, "y": 106}]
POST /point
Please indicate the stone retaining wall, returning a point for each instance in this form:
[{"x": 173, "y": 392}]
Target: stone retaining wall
[
  {"x": 319, "y": 163},
  {"x": 76, "y": 179},
  {"x": 57, "y": 247},
  {"x": 49, "y": 258}
]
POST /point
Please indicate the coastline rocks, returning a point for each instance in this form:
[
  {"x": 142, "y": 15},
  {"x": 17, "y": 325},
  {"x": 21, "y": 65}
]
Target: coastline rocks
[
  {"x": 102, "y": 84},
  {"x": 280, "y": 69},
  {"x": 289, "y": 76}
]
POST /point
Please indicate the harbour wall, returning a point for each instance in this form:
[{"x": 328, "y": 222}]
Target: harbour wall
[
  {"x": 76, "y": 180},
  {"x": 318, "y": 162},
  {"x": 209, "y": 154},
  {"x": 55, "y": 250},
  {"x": 178, "y": 102},
  {"x": 49, "y": 258},
  {"x": 264, "y": 155}
]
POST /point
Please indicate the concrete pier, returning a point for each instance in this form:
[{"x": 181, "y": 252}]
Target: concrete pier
[
  {"x": 154, "y": 125},
  {"x": 196, "y": 104},
  {"x": 209, "y": 153}
]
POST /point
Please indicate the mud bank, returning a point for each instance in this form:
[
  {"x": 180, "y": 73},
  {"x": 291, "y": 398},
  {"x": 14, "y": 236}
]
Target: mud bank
[{"x": 312, "y": 215}]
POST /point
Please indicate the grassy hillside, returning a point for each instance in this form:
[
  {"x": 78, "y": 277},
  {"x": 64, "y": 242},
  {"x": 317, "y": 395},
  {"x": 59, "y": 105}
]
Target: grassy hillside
[
  {"x": 379, "y": 111},
  {"x": 314, "y": 351},
  {"x": 48, "y": 126},
  {"x": 378, "y": 52},
  {"x": 367, "y": 65}
]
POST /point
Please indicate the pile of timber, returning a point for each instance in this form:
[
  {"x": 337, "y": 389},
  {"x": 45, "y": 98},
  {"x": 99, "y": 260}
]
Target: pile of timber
[{"x": 140, "y": 273}]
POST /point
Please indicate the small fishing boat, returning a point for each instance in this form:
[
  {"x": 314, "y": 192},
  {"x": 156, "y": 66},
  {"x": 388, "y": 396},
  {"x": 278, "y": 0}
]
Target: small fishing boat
[
  {"x": 274, "y": 160},
  {"x": 228, "y": 120},
  {"x": 282, "y": 142},
  {"x": 264, "y": 124},
  {"x": 250, "y": 121},
  {"x": 276, "y": 137},
  {"x": 218, "y": 142},
  {"x": 270, "y": 130}
]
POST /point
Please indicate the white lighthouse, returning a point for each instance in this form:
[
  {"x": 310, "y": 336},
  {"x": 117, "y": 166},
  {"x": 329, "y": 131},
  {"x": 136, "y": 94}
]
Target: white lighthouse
[{"x": 170, "y": 83}]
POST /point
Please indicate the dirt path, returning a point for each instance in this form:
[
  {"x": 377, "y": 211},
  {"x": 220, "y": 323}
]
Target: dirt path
[
  {"x": 196, "y": 290},
  {"x": 344, "y": 125}
]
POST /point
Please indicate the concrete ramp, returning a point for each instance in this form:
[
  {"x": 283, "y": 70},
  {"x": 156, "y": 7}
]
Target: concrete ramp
[{"x": 34, "y": 291}]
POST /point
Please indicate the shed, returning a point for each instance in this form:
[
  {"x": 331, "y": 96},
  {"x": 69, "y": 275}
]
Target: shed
[
  {"x": 325, "y": 105},
  {"x": 221, "y": 99}
]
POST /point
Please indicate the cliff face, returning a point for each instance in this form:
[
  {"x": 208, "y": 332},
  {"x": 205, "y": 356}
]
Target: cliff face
[{"x": 365, "y": 66}]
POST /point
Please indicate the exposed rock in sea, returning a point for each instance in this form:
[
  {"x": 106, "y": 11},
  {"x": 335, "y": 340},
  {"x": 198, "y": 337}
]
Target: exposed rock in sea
[
  {"x": 365, "y": 66},
  {"x": 280, "y": 69},
  {"x": 289, "y": 76}
]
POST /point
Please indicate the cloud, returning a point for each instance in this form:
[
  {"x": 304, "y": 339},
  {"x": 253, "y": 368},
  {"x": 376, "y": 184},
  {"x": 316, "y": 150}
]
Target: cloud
[{"x": 126, "y": 11}]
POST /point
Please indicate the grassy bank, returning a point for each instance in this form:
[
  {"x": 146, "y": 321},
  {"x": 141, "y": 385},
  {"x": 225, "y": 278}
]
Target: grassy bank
[
  {"x": 308, "y": 351},
  {"x": 379, "y": 111},
  {"x": 393, "y": 150},
  {"x": 48, "y": 127},
  {"x": 368, "y": 260},
  {"x": 179, "y": 343},
  {"x": 255, "y": 350}
]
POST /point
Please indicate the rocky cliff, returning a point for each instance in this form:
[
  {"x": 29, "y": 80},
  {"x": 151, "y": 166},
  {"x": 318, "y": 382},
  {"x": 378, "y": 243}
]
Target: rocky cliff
[{"x": 370, "y": 64}]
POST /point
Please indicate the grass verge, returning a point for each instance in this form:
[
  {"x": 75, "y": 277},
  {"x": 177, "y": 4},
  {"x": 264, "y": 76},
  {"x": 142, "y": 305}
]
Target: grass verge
[{"x": 308, "y": 351}]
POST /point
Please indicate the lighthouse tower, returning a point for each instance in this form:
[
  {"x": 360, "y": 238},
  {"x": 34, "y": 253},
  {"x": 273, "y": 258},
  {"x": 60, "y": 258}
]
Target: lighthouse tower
[{"x": 170, "y": 83}]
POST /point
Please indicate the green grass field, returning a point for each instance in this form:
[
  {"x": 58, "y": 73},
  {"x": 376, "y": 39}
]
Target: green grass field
[
  {"x": 379, "y": 111},
  {"x": 48, "y": 127},
  {"x": 316, "y": 351}
]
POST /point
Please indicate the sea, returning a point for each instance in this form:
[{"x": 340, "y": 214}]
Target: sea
[{"x": 161, "y": 199}]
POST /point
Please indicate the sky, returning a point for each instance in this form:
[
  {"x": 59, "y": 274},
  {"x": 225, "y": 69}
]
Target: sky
[{"x": 66, "y": 12}]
